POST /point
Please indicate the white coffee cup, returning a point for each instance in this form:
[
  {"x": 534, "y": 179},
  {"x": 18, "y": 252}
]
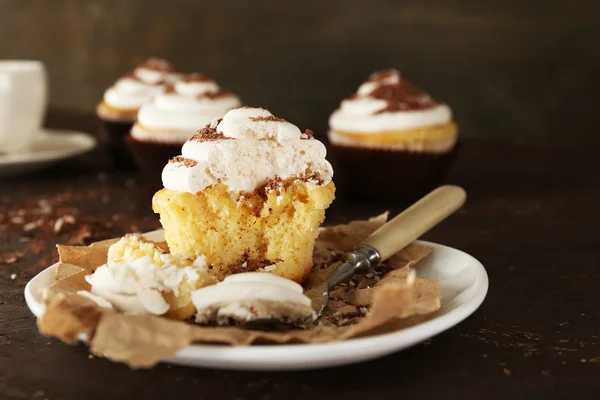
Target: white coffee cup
[{"x": 23, "y": 96}]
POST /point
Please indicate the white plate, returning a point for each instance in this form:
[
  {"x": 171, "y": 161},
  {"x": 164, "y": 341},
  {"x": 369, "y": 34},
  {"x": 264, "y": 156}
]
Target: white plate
[
  {"x": 463, "y": 284},
  {"x": 50, "y": 146}
]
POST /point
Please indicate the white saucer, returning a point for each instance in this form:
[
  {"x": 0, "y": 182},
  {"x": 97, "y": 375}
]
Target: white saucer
[
  {"x": 50, "y": 146},
  {"x": 463, "y": 284}
]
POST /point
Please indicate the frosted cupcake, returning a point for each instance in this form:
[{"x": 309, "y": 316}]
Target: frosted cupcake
[
  {"x": 172, "y": 117},
  {"x": 119, "y": 107},
  {"x": 248, "y": 192},
  {"x": 391, "y": 140}
]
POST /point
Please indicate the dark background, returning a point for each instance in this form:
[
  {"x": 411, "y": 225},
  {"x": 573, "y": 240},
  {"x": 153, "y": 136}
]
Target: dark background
[
  {"x": 523, "y": 70},
  {"x": 513, "y": 71}
]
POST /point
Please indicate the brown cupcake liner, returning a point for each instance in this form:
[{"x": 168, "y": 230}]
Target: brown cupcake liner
[
  {"x": 391, "y": 177},
  {"x": 151, "y": 157},
  {"x": 112, "y": 135}
]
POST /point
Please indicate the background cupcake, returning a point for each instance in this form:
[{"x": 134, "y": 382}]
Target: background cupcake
[
  {"x": 391, "y": 140},
  {"x": 121, "y": 102},
  {"x": 172, "y": 117}
]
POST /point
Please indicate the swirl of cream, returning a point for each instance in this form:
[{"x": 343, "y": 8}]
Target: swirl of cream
[
  {"x": 387, "y": 102},
  {"x": 239, "y": 295},
  {"x": 245, "y": 150},
  {"x": 137, "y": 287},
  {"x": 146, "y": 81},
  {"x": 175, "y": 114}
]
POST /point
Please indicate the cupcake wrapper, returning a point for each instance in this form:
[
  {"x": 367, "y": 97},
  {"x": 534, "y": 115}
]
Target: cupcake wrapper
[
  {"x": 388, "y": 176},
  {"x": 151, "y": 158},
  {"x": 112, "y": 134}
]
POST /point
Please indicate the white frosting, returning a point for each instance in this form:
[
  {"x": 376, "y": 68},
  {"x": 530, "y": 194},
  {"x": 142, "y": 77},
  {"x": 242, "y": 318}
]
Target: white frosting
[
  {"x": 161, "y": 136},
  {"x": 248, "y": 287},
  {"x": 256, "y": 152},
  {"x": 100, "y": 301},
  {"x": 133, "y": 92},
  {"x": 367, "y": 87},
  {"x": 175, "y": 116},
  {"x": 359, "y": 114},
  {"x": 136, "y": 287}
]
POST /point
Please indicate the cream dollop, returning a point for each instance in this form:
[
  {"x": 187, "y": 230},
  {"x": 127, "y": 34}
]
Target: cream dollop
[
  {"x": 244, "y": 151},
  {"x": 138, "y": 88},
  {"x": 136, "y": 287},
  {"x": 236, "y": 294},
  {"x": 364, "y": 113},
  {"x": 175, "y": 115}
]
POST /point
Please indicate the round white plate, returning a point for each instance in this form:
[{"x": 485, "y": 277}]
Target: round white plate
[
  {"x": 50, "y": 146},
  {"x": 463, "y": 284}
]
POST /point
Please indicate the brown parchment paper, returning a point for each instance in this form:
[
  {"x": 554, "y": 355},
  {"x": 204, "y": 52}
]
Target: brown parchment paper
[{"x": 382, "y": 301}]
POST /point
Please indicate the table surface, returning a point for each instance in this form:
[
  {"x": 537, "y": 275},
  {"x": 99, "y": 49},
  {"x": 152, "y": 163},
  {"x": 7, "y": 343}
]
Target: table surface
[{"x": 530, "y": 219}]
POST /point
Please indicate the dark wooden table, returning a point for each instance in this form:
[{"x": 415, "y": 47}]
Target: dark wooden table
[{"x": 531, "y": 219}]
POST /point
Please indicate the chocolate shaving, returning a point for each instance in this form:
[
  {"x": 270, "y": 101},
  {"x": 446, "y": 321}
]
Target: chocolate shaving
[
  {"x": 216, "y": 95},
  {"x": 133, "y": 76},
  {"x": 399, "y": 96},
  {"x": 382, "y": 75},
  {"x": 195, "y": 77},
  {"x": 187, "y": 162},
  {"x": 402, "y": 96},
  {"x": 170, "y": 89},
  {"x": 275, "y": 184},
  {"x": 250, "y": 265},
  {"x": 314, "y": 177},
  {"x": 270, "y": 118},
  {"x": 157, "y": 64},
  {"x": 307, "y": 134},
  {"x": 208, "y": 134}
]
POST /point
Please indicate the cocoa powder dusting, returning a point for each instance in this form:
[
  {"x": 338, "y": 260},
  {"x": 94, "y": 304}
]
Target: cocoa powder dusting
[{"x": 270, "y": 118}]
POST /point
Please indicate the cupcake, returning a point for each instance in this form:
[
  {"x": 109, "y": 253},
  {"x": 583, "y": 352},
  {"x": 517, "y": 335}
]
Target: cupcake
[
  {"x": 391, "y": 141},
  {"x": 172, "y": 117},
  {"x": 119, "y": 108},
  {"x": 248, "y": 192}
]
